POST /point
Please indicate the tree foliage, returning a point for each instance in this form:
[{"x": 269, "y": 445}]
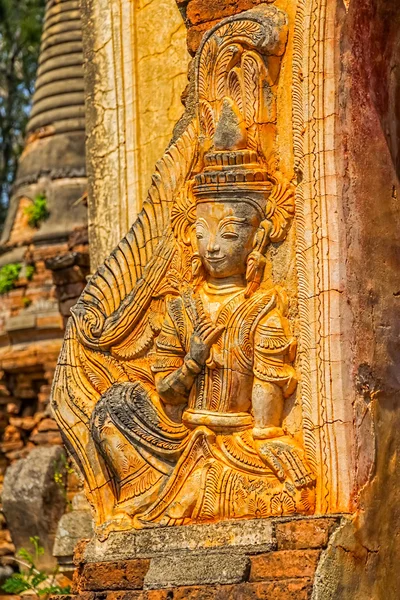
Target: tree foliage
[{"x": 20, "y": 31}]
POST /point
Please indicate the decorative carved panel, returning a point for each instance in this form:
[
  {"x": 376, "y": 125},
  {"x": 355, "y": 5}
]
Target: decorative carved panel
[{"x": 176, "y": 389}]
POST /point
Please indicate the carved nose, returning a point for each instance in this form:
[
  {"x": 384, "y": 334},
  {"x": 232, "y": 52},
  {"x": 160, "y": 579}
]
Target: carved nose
[{"x": 213, "y": 248}]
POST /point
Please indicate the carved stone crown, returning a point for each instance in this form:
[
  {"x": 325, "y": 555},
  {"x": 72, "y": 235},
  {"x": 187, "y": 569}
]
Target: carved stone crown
[
  {"x": 233, "y": 174},
  {"x": 231, "y": 169}
]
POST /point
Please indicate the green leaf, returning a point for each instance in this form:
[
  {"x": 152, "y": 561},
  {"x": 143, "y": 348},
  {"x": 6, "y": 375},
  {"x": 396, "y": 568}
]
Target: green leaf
[
  {"x": 16, "y": 584},
  {"x": 38, "y": 578},
  {"x": 25, "y": 555},
  {"x": 35, "y": 541},
  {"x": 8, "y": 276},
  {"x": 54, "y": 589},
  {"x": 37, "y": 212},
  {"x": 29, "y": 272}
]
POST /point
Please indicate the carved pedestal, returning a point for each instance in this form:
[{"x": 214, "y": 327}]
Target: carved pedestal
[{"x": 232, "y": 560}]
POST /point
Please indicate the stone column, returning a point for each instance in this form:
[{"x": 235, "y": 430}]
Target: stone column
[{"x": 136, "y": 70}]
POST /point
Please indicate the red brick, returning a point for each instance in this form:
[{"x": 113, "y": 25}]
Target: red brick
[
  {"x": 195, "y": 35},
  {"x": 302, "y": 534},
  {"x": 121, "y": 575},
  {"x": 201, "y": 11},
  {"x": 289, "y": 589},
  {"x": 284, "y": 564}
]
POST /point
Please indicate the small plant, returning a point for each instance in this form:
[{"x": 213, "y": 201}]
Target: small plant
[
  {"x": 8, "y": 276},
  {"x": 37, "y": 212},
  {"x": 39, "y": 582},
  {"x": 26, "y": 302},
  {"x": 29, "y": 272}
]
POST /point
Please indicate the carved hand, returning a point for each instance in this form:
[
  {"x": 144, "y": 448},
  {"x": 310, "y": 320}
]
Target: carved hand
[
  {"x": 286, "y": 459},
  {"x": 202, "y": 340}
]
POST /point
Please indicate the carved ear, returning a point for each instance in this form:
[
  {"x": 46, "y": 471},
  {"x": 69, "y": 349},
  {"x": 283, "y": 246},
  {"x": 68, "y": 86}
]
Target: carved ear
[
  {"x": 262, "y": 236},
  {"x": 254, "y": 272},
  {"x": 280, "y": 208}
]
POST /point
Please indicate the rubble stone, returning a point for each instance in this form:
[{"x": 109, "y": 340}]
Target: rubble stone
[{"x": 33, "y": 502}]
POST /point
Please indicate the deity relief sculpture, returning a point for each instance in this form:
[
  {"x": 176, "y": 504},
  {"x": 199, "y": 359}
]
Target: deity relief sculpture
[{"x": 178, "y": 358}]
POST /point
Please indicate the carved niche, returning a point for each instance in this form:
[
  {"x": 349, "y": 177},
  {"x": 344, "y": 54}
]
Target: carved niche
[{"x": 178, "y": 359}]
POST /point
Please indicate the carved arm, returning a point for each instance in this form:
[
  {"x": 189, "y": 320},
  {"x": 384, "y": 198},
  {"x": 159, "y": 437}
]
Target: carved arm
[{"x": 174, "y": 388}]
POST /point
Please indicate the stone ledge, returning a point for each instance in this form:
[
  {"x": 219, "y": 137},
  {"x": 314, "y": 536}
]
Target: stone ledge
[
  {"x": 253, "y": 536},
  {"x": 271, "y": 558},
  {"x": 242, "y": 536}
]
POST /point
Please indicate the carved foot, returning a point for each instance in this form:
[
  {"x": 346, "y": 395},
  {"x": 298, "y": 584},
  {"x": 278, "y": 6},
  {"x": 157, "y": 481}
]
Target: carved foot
[
  {"x": 120, "y": 521},
  {"x": 286, "y": 458}
]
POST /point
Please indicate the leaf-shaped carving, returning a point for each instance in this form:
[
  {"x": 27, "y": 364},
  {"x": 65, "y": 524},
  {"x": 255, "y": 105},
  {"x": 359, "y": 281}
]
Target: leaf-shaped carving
[
  {"x": 243, "y": 28},
  {"x": 206, "y": 117},
  {"x": 251, "y": 78},
  {"x": 138, "y": 342},
  {"x": 206, "y": 65},
  {"x": 183, "y": 214},
  {"x": 280, "y": 208},
  {"x": 235, "y": 88},
  {"x": 70, "y": 387},
  {"x": 226, "y": 60}
]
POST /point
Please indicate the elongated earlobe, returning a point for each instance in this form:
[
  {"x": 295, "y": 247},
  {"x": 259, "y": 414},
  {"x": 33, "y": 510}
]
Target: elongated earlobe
[
  {"x": 255, "y": 271},
  {"x": 256, "y": 260}
]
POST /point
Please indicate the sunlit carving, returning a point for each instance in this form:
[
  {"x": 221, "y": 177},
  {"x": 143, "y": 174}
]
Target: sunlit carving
[{"x": 171, "y": 385}]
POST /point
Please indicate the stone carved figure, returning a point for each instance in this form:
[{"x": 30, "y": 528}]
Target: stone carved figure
[{"x": 178, "y": 357}]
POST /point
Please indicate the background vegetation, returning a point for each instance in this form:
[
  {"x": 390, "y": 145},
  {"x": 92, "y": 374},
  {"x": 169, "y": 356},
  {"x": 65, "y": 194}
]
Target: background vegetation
[{"x": 20, "y": 31}]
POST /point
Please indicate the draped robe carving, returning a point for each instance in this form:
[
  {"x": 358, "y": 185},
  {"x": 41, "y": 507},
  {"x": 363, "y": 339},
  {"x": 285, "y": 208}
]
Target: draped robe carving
[{"x": 178, "y": 356}]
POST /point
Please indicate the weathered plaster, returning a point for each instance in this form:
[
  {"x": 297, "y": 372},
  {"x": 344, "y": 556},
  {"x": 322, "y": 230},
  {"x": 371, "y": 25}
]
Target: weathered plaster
[
  {"x": 136, "y": 69},
  {"x": 362, "y": 559}
]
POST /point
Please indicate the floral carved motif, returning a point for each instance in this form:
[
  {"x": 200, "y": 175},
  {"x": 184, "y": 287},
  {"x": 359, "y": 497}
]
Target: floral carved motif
[{"x": 178, "y": 359}]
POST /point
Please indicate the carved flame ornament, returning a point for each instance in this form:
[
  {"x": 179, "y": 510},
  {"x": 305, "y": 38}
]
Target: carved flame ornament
[{"x": 177, "y": 361}]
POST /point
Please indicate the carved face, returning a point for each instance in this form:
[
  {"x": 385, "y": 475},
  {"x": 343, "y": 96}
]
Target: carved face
[{"x": 225, "y": 234}]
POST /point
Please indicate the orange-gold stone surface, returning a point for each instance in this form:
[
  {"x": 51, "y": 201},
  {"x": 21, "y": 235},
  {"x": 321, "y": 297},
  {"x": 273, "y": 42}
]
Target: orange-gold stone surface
[{"x": 175, "y": 385}]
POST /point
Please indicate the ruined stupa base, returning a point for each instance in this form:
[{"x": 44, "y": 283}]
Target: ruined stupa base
[{"x": 265, "y": 558}]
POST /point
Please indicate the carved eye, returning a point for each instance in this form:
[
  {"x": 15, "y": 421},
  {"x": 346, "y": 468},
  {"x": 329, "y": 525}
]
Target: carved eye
[
  {"x": 230, "y": 235},
  {"x": 199, "y": 234}
]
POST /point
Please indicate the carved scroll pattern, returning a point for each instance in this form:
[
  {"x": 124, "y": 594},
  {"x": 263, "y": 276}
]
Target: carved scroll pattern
[{"x": 111, "y": 306}]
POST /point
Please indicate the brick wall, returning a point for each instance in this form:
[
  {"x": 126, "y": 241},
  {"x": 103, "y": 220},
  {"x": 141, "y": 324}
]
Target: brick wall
[{"x": 284, "y": 573}]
